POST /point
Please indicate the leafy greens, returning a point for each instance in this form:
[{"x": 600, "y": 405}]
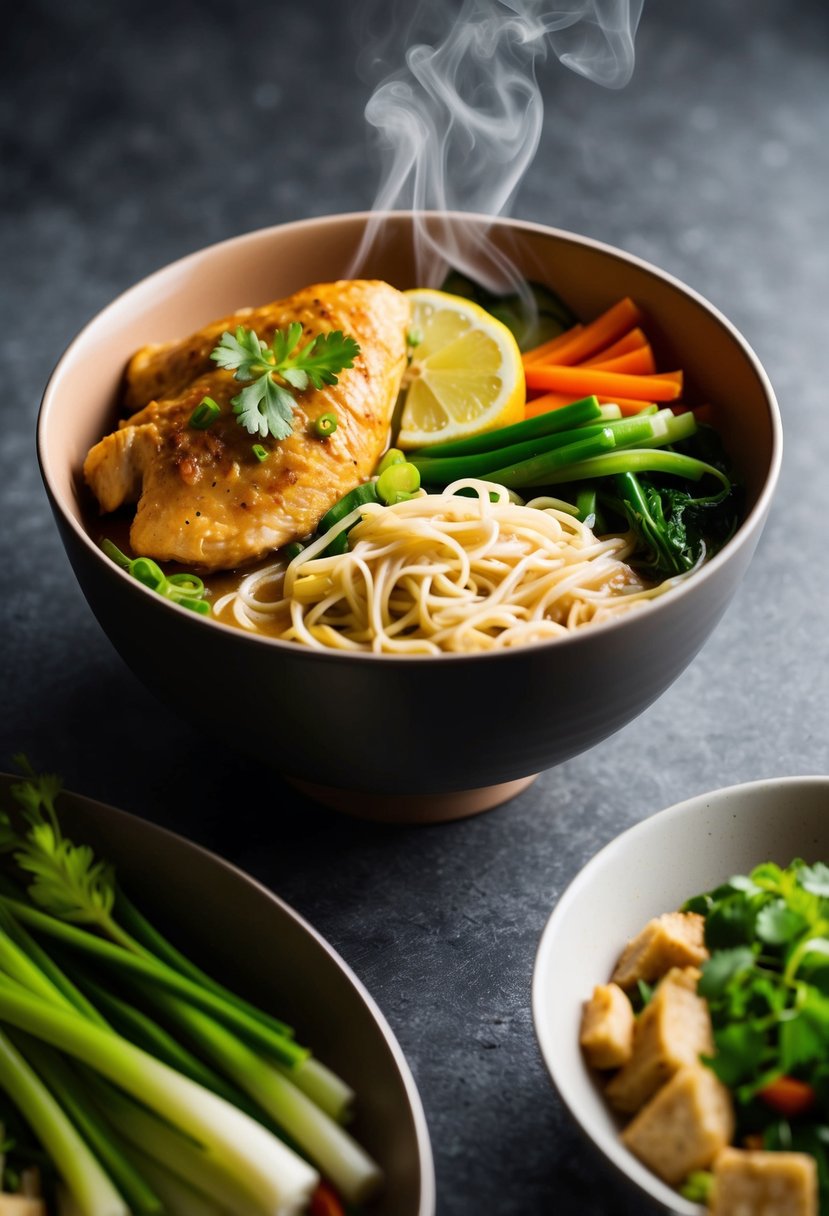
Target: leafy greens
[{"x": 767, "y": 987}]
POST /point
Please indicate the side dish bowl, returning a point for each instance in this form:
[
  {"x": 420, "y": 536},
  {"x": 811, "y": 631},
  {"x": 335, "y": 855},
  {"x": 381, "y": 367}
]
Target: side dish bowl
[
  {"x": 249, "y": 939},
  {"x": 411, "y": 738},
  {"x": 650, "y": 869}
]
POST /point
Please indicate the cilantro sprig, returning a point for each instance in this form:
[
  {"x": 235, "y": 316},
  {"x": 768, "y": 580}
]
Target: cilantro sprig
[
  {"x": 266, "y": 405},
  {"x": 766, "y": 984}
]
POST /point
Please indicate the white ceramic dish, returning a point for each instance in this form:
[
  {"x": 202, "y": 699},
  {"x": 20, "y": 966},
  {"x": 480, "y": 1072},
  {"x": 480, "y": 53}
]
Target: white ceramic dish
[
  {"x": 653, "y": 868},
  {"x": 262, "y": 940}
]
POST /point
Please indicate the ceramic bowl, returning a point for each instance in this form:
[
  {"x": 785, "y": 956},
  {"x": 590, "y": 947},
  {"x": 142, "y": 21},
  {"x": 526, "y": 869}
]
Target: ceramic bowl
[
  {"x": 250, "y": 939},
  {"x": 653, "y": 868},
  {"x": 411, "y": 738}
]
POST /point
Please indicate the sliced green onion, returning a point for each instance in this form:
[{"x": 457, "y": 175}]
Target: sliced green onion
[
  {"x": 148, "y": 572},
  {"x": 324, "y": 426},
  {"x": 392, "y": 456},
  {"x": 114, "y": 554},
  {"x": 187, "y": 584},
  {"x": 587, "y": 409},
  {"x": 186, "y": 590},
  {"x": 414, "y": 337},
  {"x": 398, "y": 479},
  {"x": 259, "y": 452},
  {"x": 205, "y": 414}
]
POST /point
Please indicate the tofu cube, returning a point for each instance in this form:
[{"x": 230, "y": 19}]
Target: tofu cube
[
  {"x": 764, "y": 1184},
  {"x": 683, "y": 1128},
  {"x": 672, "y": 1031},
  {"x": 607, "y": 1027},
  {"x": 675, "y": 939}
]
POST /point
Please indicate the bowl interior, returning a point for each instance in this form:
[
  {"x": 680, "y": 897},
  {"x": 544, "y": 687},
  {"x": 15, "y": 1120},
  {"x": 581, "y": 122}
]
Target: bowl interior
[
  {"x": 248, "y": 938},
  {"x": 80, "y": 402},
  {"x": 650, "y": 869}
]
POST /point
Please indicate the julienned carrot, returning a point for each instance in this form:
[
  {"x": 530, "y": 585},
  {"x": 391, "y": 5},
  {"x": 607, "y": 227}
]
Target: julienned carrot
[
  {"x": 635, "y": 363},
  {"x": 593, "y": 337},
  {"x": 581, "y": 381},
  {"x": 632, "y": 340},
  {"x": 549, "y": 347}
]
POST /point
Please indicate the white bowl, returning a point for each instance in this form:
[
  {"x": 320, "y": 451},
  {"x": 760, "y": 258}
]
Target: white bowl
[{"x": 653, "y": 868}]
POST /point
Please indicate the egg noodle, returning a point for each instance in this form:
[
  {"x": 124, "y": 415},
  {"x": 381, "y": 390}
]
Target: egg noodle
[{"x": 444, "y": 572}]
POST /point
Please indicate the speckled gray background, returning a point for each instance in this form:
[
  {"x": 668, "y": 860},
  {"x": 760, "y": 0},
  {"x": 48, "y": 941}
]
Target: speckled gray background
[{"x": 134, "y": 133}]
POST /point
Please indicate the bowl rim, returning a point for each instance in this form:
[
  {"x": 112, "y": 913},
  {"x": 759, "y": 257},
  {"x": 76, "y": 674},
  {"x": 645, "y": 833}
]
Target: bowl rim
[
  {"x": 752, "y": 523},
  {"x": 610, "y": 1144}
]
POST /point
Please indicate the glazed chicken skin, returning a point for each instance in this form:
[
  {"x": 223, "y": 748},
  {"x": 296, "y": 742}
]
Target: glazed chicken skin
[{"x": 204, "y": 499}]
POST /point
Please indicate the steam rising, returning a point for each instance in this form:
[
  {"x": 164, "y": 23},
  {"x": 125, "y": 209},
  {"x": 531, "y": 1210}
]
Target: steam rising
[{"x": 459, "y": 125}]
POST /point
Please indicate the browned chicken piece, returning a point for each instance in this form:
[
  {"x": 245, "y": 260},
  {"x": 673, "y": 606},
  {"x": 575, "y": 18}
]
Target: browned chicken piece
[{"x": 204, "y": 499}]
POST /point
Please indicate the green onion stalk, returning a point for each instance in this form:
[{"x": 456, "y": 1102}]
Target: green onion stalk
[{"x": 275, "y": 1179}]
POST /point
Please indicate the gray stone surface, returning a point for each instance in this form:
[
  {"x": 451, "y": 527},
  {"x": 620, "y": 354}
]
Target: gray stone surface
[{"x": 134, "y": 133}]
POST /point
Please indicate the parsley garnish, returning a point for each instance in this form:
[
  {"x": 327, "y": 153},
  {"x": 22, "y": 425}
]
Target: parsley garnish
[{"x": 266, "y": 405}]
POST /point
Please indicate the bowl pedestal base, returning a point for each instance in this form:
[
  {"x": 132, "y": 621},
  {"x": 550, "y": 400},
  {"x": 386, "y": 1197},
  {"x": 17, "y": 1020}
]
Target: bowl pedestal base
[{"x": 413, "y": 808}]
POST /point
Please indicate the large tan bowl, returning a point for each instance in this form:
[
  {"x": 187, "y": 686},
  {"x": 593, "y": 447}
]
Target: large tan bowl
[{"x": 411, "y": 738}]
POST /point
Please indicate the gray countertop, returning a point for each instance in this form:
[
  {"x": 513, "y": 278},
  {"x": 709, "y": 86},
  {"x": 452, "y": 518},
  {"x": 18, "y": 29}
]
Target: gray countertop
[{"x": 135, "y": 133}]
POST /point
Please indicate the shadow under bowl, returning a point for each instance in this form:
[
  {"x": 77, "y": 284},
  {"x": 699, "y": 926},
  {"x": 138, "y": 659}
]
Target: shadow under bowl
[{"x": 414, "y": 738}]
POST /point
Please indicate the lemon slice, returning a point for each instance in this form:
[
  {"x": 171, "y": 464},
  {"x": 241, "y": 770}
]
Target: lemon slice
[{"x": 465, "y": 376}]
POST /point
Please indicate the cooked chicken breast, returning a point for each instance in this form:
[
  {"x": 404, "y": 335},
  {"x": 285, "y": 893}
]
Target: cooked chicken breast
[{"x": 204, "y": 499}]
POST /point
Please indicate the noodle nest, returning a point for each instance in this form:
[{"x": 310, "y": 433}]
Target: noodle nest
[{"x": 443, "y": 572}]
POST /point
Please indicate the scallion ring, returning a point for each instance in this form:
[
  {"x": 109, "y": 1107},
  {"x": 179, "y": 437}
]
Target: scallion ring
[
  {"x": 205, "y": 414},
  {"x": 324, "y": 426}
]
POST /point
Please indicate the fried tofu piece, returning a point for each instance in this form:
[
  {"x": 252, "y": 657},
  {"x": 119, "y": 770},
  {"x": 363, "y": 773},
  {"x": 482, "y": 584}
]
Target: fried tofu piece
[
  {"x": 672, "y": 1031},
  {"x": 607, "y": 1027},
  {"x": 764, "y": 1184},
  {"x": 675, "y": 939},
  {"x": 684, "y": 1126}
]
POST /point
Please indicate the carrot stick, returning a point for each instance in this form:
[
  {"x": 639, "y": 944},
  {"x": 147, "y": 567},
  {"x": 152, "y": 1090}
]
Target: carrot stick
[
  {"x": 632, "y": 340},
  {"x": 635, "y": 363},
  {"x": 607, "y": 328},
  {"x": 552, "y": 344},
  {"x": 582, "y": 381}
]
